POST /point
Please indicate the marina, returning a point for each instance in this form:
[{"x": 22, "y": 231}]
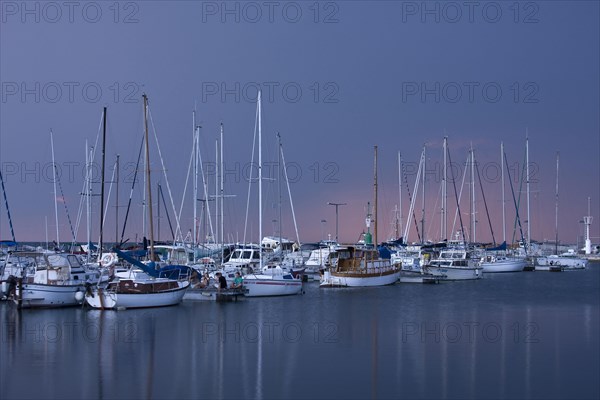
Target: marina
[
  {"x": 400, "y": 341},
  {"x": 299, "y": 200}
]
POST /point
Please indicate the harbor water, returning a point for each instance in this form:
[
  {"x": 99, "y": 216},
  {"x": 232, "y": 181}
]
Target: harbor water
[{"x": 517, "y": 335}]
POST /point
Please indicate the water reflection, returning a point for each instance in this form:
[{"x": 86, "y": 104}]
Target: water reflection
[{"x": 499, "y": 337}]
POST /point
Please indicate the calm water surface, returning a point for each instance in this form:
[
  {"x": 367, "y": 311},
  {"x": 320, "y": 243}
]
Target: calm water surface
[{"x": 522, "y": 335}]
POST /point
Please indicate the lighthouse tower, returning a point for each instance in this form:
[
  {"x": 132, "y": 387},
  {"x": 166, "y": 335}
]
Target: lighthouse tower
[{"x": 587, "y": 221}]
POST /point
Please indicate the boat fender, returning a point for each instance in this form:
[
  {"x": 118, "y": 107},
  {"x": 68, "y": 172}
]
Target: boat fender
[
  {"x": 551, "y": 262},
  {"x": 78, "y": 295}
]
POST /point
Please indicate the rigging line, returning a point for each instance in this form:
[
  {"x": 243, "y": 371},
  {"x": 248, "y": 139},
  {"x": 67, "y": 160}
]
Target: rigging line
[
  {"x": 162, "y": 196},
  {"x": 516, "y": 206},
  {"x": 437, "y": 199},
  {"x": 462, "y": 229},
  {"x": 485, "y": 204},
  {"x": 411, "y": 202},
  {"x": 112, "y": 180},
  {"x": 462, "y": 186},
  {"x": 86, "y": 184},
  {"x": 131, "y": 191},
  {"x": 205, "y": 186},
  {"x": 287, "y": 181},
  {"x": 178, "y": 231},
  {"x": 250, "y": 174},
  {"x": 12, "y": 232},
  {"x": 187, "y": 179},
  {"x": 62, "y": 195},
  {"x": 523, "y": 174}
]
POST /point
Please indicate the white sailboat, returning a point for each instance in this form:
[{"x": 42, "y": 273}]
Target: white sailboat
[
  {"x": 276, "y": 283},
  {"x": 495, "y": 261},
  {"x": 568, "y": 260},
  {"x": 144, "y": 289}
]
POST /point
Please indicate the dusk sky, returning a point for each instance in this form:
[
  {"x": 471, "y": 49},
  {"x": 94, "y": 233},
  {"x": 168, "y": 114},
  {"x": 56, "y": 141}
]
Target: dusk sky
[{"x": 337, "y": 77}]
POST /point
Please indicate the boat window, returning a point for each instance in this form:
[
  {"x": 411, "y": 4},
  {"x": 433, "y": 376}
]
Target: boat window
[
  {"x": 255, "y": 255},
  {"x": 247, "y": 254},
  {"x": 74, "y": 261},
  {"x": 236, "y": 254}
]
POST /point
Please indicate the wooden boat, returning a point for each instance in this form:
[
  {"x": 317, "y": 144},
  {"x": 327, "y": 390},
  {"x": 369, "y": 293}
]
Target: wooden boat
[{"x": 360, "y": 267}]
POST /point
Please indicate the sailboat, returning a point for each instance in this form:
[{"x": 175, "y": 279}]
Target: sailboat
[
  {"x": 564, "y": 261},
  {"x": 277, "y": 282},
  {"x": 362, "y": 266},
  {"x": 154, "y": 287},
  {"x": 42, "y": 279},
  {"x": 496, "y": 259}
]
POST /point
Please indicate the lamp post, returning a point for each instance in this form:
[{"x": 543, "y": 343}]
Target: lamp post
[{"x": 336, "y": 216}]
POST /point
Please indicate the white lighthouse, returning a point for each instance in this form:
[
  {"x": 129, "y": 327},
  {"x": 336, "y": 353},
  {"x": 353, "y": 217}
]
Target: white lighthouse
[{"x": 587, "y": 222}]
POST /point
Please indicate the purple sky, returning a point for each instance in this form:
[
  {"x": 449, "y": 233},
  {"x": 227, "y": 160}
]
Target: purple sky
[{"x": 337, "y": 79}]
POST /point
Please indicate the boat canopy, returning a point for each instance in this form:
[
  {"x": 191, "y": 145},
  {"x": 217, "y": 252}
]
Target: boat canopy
[{"x": 499, "y": 248}]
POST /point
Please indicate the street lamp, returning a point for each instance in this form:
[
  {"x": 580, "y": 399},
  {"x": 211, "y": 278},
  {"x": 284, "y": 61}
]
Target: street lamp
[{"x": 336, "y": 216}]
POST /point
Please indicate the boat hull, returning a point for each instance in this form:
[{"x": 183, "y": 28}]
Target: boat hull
[
  {"x": 418, "y": 277},
  {"x": 267, "y": 285},
  {"x": 552, "y": 263},
  {"x": 36, "y": 295},
  {"x": 449, "y": 273},
  {"x": 102, "y": 298},
  {"x": 504, "y": 266},
  {"x": 343, "y": 279}
]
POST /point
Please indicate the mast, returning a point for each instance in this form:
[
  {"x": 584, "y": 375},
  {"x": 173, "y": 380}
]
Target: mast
[
  {"x": 221, "y": 194},
  {"x": 375, "y": 205},
  {"x": 260, "y": 224},
  {"x": 46, "y": 219},
  {"x": 473, "y": 216},
  {"x": 444, "y": 223},
  {"x": 556, "y": 209},
  {"x": 423, "y": 199},
  {"x": 217, "y": 237},
  {"x": 102, "y": 185},
  {"x": 279, "y": 187},
  {"x": 158, "y": 195},
  {"x": 86, "y": 193},
  {"x": 55, "y": 198},
  {"x": 400, "y": 190},
  {"x": 117, "y": 205},
  {"x": 148, "y": 182},
  {"x": 503, "y": 201},
  {"x": 195, "y": 192},
  {"x": 528, "y": 204}
]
